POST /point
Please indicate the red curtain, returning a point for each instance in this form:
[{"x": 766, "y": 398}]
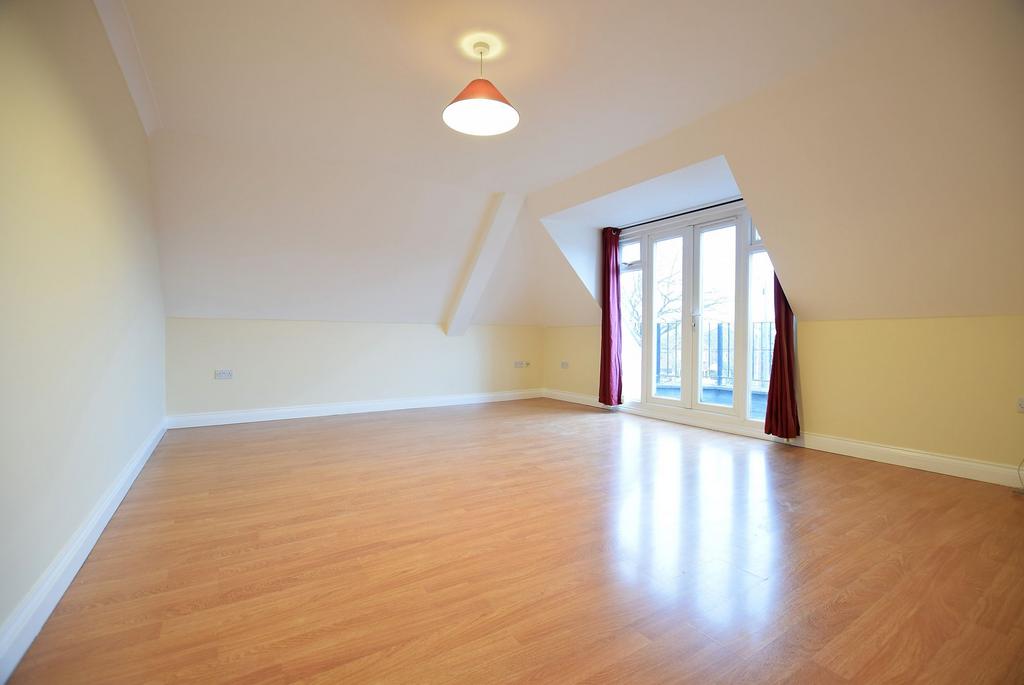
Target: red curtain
[
  {"x": 780, "y": 416},
  {"x": 611, "y": 321}
]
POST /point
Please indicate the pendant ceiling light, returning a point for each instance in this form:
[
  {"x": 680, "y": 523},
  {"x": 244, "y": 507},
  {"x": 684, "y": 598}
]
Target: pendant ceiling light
[{"x": 480, "y": 109}]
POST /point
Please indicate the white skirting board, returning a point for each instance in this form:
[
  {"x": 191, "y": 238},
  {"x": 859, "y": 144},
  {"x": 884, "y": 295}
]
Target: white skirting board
[
  {"x": 574, "y": 397},
  {"x": 947, "y": 464},
  {"x": 27, "y": 619},
  {"x": 305, "y": 411},
  {"x": 988, "y": 472}
]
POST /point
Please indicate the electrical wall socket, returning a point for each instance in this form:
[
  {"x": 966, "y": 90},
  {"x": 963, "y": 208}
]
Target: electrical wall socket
[
  {"x": 565, "y": 365},
  {"x": 1020, "y": 404},
  {"x": 223, "y": 374},
  {"x": 520, "y": 364}
]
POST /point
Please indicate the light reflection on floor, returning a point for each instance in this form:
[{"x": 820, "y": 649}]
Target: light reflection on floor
[{"x": 693, "y": 527}]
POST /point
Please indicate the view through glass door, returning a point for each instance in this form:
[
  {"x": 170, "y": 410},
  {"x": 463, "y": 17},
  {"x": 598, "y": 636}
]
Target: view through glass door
[
  {"x": 717, "y": 314},
  {"x": 695, "y": 304},
  {"x": 669, "y": 314}
]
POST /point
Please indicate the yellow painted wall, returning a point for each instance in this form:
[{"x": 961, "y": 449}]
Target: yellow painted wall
[
  {"x": 81, "y": 347},
  {"x": 288, "y": 363},
  {"x": 580, "y": 346},
  {"x": 947, "y": 386}
]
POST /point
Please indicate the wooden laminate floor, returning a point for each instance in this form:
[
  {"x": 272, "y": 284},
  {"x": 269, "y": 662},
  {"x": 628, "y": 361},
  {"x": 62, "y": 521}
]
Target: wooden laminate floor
[{"x": 537, "y": 541}]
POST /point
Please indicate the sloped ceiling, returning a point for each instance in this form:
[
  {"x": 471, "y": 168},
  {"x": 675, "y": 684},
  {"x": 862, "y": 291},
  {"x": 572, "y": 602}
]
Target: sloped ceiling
[
  {"x": 536, "y": 284},
  {"x": 251, "y": 234},
  {"x": 577, "y": 230},
  {"x": 303, "y": 171},
  {"x": 886, "y": 179}
]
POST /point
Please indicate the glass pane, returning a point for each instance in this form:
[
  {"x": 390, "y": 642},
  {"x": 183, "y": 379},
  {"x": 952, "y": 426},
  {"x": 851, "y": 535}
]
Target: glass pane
[
  {"x": 762, "y": 331},
  {"x": 667, "y": 310},
  {"x": 631, "y": 304},
  {"x": 717, "y": 314},
  {"x": 629, "y": 253},
  {"x": 757, "y": 236}
]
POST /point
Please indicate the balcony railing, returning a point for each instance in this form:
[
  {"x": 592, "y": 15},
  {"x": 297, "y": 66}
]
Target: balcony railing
[
  {"x": 717, "y": 352},
  {"x": 762, "y": 346}
]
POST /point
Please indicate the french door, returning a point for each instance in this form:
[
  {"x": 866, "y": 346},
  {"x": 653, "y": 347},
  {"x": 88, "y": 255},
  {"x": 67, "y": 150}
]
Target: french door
[
  {"x": 682, "y": 297},
  {"x": 667, "y": 315}
]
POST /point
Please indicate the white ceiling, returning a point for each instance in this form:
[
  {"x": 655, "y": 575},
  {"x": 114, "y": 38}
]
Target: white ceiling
[
  {"x": 365, "y": 83},
  {"x": 885, "y": 179},
  {"x": 576, "y": 230},
  {"x": 696, "y": 185},
  {"x": 247, "y": 234},
  {"x": 303, "y": 170},
  {"x": 536, "y": 282}
]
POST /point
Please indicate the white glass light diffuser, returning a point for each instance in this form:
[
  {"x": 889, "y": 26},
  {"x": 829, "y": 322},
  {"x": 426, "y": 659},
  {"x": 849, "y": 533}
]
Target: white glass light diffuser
[{"x": 480, "y": 110}]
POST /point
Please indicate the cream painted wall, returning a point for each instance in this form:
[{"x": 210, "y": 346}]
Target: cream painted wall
[
  {"x": 288, "y": 363},
  {"x": 946, "y": 386},
  {"x": 82, "y": 348},
  {"x": 580, "y": 346}
]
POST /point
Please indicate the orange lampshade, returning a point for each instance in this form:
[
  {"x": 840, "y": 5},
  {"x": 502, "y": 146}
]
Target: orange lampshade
[{"x": 480, "y": 110}]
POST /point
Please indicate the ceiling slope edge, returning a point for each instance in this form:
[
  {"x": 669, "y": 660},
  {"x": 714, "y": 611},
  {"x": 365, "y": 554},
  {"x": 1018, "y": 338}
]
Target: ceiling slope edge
[{"x": 118, "y": 25}]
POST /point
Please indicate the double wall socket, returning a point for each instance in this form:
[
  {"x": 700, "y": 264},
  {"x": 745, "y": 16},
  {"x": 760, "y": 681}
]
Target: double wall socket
[{"x": 520, "y": 364}]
